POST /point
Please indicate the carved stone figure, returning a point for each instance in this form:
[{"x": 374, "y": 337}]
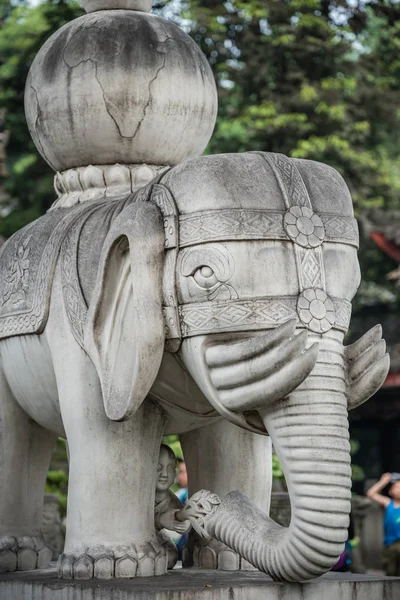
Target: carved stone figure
[
  {"x": 210, "y": 300},
  {"x": 168, "y": 506}
]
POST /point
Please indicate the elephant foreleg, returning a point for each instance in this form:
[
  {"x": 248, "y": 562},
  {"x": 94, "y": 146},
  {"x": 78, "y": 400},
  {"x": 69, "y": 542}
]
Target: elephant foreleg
[
  {"x": 110, "y": 519},
  {"x": 220, "y": 458},
  {"x": 110, "y": 513},
  {"x": 25, "y": 453}
]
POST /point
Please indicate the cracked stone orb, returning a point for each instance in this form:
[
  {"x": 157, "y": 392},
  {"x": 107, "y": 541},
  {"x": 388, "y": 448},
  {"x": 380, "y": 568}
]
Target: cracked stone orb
[{"x": 120, "y": 86}]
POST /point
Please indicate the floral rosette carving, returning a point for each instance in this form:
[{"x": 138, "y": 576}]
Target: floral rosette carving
[
  {"x": 316, "y": 310},
  {"x": 199, "y": 509},
  {"x": 304, "y": 227}
]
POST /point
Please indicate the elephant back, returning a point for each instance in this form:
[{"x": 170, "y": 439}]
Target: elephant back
[
  {"x": 27, "y": 263},
  {"x": 73, "y": 236}
]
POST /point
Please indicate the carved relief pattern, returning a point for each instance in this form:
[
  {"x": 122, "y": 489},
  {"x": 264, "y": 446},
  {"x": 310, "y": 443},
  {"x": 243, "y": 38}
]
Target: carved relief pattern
[
  {"x": 202, "y": 506},
  {"x": 97, "y": 182},
  {"x": 295, "y": 191},
  {"x": 73, "y": 298},
  {"x": 163, "y": 199},
  {"x": 241, "y": 224},
  {"x": 311, "y": 269},
  {"x": 33, "y": 319},
  {"x": 238, "y": 315},
  {"x": 316, "y": 310},
  {"x": 341, "y": 229},
  {"x": 304, "y": 227},
  {"x": 230, "y": 223},
  {"x": 343, "y": 311},
  {"x": 247, "y": 315},
  {"x": 307, "y": 231},
  {"x": 17, "y": 276}
]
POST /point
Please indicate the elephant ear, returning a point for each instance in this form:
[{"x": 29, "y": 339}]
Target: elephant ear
[{"x": 124, "y": 333}]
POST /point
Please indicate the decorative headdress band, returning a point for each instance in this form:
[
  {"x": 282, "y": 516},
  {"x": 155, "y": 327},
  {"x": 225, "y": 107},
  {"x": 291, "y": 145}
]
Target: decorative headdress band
[
  {"x": 264, "y": 313},
  {"x": 299, "y": 224}
]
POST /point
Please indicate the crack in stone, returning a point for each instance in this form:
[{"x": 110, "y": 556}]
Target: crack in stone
[
  {"x": 150, "y": 97},
  {"x": 83, "y": 26},
  {"x": 107, "y": 102},
  {"x": 36, "y": 128}
]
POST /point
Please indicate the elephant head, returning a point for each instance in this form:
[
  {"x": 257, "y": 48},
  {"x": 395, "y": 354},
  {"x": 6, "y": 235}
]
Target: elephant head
[{"x": 246, "y": 270}]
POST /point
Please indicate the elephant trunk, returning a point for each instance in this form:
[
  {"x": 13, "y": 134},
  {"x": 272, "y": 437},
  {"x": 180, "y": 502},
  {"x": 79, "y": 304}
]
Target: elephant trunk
[{"x": 309, "y": 430}]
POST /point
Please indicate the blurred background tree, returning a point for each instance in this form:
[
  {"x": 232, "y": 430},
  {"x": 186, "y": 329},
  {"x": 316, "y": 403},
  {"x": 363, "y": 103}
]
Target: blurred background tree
[{"x": 23, "y": 30}]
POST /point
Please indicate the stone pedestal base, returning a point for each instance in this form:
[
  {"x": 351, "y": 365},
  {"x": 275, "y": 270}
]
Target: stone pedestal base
[{"x": 190, "y": 584}]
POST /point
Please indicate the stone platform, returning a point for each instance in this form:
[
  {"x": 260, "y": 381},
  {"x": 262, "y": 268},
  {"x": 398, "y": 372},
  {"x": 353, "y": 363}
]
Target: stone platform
[{"x": 198, "y": 585}]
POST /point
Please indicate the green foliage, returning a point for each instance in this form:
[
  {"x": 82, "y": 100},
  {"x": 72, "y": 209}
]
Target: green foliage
[
  {"x": 357, "y": 473},
  {"x": 57, "y": 483},
  {"x": 277, "y": 471},
  {"x": 173, "y": 442},
  {"x": 23, "y": 31},
  {"x": 57, "y": 477}
]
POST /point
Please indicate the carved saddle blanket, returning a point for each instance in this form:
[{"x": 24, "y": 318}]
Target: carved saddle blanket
[{"x": 28, "y": 260}]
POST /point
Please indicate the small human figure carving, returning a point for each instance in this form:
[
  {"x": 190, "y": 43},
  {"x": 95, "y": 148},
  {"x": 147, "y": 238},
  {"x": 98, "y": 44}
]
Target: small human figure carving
[{"x": 168, "y": 507}]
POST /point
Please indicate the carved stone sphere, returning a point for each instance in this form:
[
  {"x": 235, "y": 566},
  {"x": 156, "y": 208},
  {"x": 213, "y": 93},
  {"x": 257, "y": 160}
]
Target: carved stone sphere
[{"x": 120, "y": 86}]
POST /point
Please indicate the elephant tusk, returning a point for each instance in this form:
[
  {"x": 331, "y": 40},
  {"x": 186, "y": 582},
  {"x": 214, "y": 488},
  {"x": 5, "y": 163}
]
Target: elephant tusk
[
  {"x": 246, "y": 374},
  {"x": 367, "y": 367},
  {"x": 370, "y": 356},
  {"x": 258, "y": 367},
  {"x": 369, "y": 339},
  {"x": 227, "y": 354},
  {"x": 276, "y": 386},
  {"x": 368, "y": 383}
]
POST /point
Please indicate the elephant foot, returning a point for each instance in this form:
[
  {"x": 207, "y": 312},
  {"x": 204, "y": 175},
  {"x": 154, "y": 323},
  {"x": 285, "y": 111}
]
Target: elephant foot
[
  {"x": 23, "y": 553},
  {"x": 128, "y": 561},
  {"x": 203, "y": 554},
  {"x": 170, "y": 548}
]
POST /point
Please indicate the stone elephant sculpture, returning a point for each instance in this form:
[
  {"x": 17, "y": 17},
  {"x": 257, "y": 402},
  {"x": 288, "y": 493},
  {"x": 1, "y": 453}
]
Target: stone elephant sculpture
[{"x": 220, "y": 289}]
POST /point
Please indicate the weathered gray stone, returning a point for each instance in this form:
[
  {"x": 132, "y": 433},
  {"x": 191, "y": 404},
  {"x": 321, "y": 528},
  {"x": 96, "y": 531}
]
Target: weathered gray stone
[
  {"x": 237, "y": 342},
  {"x": 139, "y": 307},
  {"x": 125, "y": 567},
  {"x": 103, "y": 568},
  {"x": 8, "y": 561},
  {"x": 200, "y": 585},
  {"x": 44, "y": 557},
  {"x": 26, "y": 559},
  {"x": 130, "y": 83},
  {"x": 51, "y": 527}
]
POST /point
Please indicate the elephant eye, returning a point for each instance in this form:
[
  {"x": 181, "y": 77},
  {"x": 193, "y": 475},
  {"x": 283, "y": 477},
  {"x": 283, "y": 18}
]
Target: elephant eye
[{"x": 205, "y": 277}]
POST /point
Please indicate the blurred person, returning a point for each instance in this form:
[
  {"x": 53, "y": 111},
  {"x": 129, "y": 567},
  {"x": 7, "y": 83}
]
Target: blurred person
[
  {"x": 183, "y": 495},
  {"x": 391, "y": 523},
  {"x": 182, "y": 481}
]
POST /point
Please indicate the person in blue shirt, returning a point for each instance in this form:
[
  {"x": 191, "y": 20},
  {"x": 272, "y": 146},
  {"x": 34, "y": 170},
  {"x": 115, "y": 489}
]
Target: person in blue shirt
[
  {"x": 391, "y": 523},
  {"x": 182, "y": 481},
  {"x": 183, "y": 495}
]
